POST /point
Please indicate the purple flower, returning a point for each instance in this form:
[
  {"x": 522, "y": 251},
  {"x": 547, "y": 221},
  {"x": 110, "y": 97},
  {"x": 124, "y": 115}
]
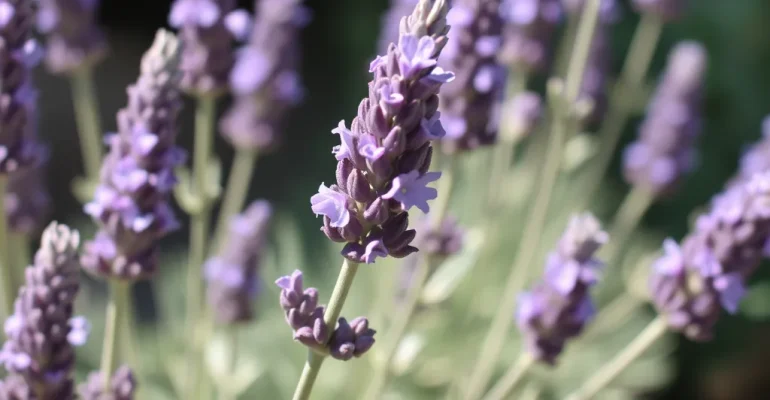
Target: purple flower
[
  {"x": 384, "y": 158},
  {"x": 131, "y": 203},
  {"x": 472, "y": 98},
  {"x": 411, "y": 189},
  {"x": 74, "y": 40},
  {"x": 233, "y": 275},
  {"x": 664, "y": 151},
  {"x": 265, "y": 77},
  {"x": 27, "y": 200},
  {"x": 692, "y": 282},
  {"x": 558, "y": 308},
  {"x": 331, "y": 204},
  {"x": 528, "y": 32},
  {"x": 122, "y": 386},
  {"x": 40, "y": 333}
]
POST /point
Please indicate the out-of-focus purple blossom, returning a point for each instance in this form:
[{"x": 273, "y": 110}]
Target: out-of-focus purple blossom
[
  {"x": 475, "y": 93},
  {"x": 74, "y": 40},
  {"x": 390, "y": 22},
  {"x": 27, "y": 201},
  {"x": 665, "y": 150},
  {"x": 384, "y": 157},
  {"x": 265, "y": 78},
  {"x": 233, "y": 275},
  {"x": 609, "y": 12},
  {"x": 558, "y": 308},
  {"x": 131, "y": 203},
  {"x": 667, "y": 10},
  {"x": 528, "y": 33},
  {"x": 306, "y": 318},
  {"x": 691, "y": 283},
  {"x": 122, "y": 386},
  {"x": 756, "y": 158},
  {"x": 524, "y": 111},
  {"x": 38, "y": 349},
  {"x": 207, "y": 57},
  {"x": 19, "y": 54},
  {"x": 444, "y": 241}
]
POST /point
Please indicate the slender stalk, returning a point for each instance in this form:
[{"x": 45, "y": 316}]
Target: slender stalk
[
  {"x": 127, "y": 323},
  {"x": 89, "y": 125},
  {"x": 205, "y": 114},
  {"x": 632, "y": 76},
  {"x": 605, "y": 375},
  {"x": 21, "y": 258},
  {"x": 628, "y": 216},
  {"x": 506, "y": 384},
  {"x": 115, "y": 307},
  {"x": 225, "y": 391},
  {"x": 236, "y": 190},
  {"x": 6, "y": 259},
  {"x": 333, "y": 310},
  {"x": 487, "y": 359}
]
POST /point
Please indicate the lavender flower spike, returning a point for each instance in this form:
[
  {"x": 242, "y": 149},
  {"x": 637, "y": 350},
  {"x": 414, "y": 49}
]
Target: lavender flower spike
[
  {"x": 691, "y": 283},
  {"x": 39, "y": 352},
  {"x": 27, "y": 201},
  {"x": 232, "y": 275},
  {"x": 265, "y": 78},
  {"x": 19, "y": 54},
  {"x": 558, "y": 308},
  {"x": 664, "y": 151},
  {"x": 131, "y": 204},
  {"x": 122, "y": 386},
  {"x": 383, "y": 159},
  {"x": 469, "y": 103},
  {"x": 207, "y": 28},
  {"x": 74, "y": 39},
  {"x": 529, "y": 29},
  {"x": 306, "y": 318}
]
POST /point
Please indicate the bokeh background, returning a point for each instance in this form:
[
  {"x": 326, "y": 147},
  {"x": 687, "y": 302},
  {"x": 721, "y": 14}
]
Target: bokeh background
[{"x": 337, "y": 46}]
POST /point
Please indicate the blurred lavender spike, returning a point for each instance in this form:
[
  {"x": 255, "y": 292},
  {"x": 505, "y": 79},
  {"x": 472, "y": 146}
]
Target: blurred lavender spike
[
  {"x": 122, "y": 386},
  {"x": 691, "y": 283},
  {"x": 131, "y": 204},
  {"x": 528, "y": 33},
  {"x": 74, "y": 39},
  {"x": 469, "y": 103},
  {"x": 445, "y": 241},
  {"x": 664, "y": 151},
  {"x": 757, "y": 158},
  {"x": 558, "y": 308},
  {"x": 27, "y": 200},
  {"x": 595, "y": 86},
  {"x": 233, "y": 275},
  {"x": 207, "y": 28},
  {"x": 265, "y": 78},
  {"x": 306, "y": 318},
  {"x": 39, "y": 352},
  {"x": 667, "y": 10},
  {"x": 390, "y": 22},
  {"x": 19, "y": 54},
  {"x": 383, "y": 159}
]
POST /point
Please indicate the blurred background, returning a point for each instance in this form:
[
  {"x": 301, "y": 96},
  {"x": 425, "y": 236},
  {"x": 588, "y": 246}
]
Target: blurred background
[{"x": 339, "y": 43}]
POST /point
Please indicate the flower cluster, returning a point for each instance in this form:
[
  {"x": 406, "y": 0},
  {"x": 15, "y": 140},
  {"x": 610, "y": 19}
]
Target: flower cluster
[
  {"x": 207, "y": 28},
  {"x": 122, "y": 386},
  {"x": 265, "y": 79},
  {"x": 529, "y": 29},
  {"x": 691, "y": 283},
  {"x": 469, "y": 103},
  {"x": 19, "y": 54},
  {"x": 306, "y": 318},
  {"x": 558, "y": 308},
  {"x": 665, "y": 9},
  {"x": 383, "y": 159},
  {"x": 664, "y": 151},
  {"x": 42, "y": 331},
  {"x": 232, "y": 275},
  {"x": 74, "y": 39},
  {"x": 443, "y": 241},
  {"x": 27, "y": 201},
  {"x": 131, "y": 204}
]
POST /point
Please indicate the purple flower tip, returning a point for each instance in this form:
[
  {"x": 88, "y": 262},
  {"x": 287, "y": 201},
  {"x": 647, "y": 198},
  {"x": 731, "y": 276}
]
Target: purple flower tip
[{"x": 411, "y": 189}]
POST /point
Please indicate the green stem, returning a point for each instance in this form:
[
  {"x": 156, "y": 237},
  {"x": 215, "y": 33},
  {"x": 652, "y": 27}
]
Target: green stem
[
  {"x": 205, "y": 115},
  {"x": 236, "y": 191},
  {"x": 88, "y": 122},
  {"x": 225, "y": 391},
  {"x": 506, "y": 384},
  {"x": 21, "y": 259},
  {"x": 490, "y": 351},
  {"x": 115, "y": 307},
  {"x": 6, "y": 259},
  {"x": 605, "y": 375},
  {"x": 626, "y": 219},
  {"x": 128, "y": 349},
  {"x": 629, "y": 84},
  {"x": 333, "y": 310}
]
